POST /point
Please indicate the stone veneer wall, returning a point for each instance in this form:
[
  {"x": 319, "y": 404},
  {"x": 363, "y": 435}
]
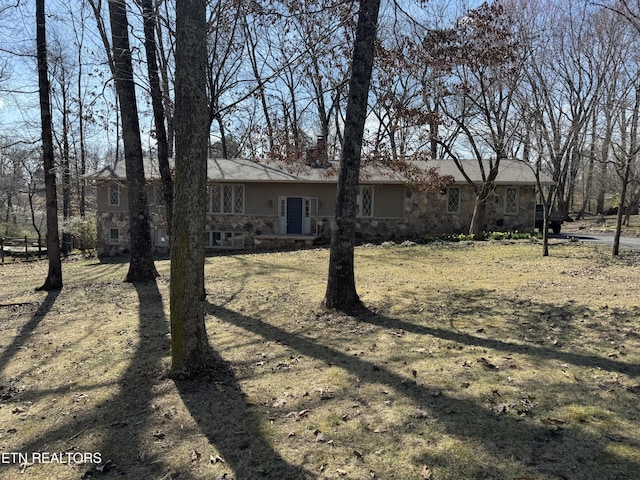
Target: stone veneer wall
[
  {"x": 105, "y": 222},
  {"x": 424, "y": 214}
]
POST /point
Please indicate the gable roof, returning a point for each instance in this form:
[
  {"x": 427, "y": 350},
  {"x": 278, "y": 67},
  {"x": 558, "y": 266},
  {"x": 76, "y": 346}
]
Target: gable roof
[{"x": 512, "y": 172}]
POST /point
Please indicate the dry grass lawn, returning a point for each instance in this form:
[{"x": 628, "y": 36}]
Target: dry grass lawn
[{"x": 473, "y": 361}]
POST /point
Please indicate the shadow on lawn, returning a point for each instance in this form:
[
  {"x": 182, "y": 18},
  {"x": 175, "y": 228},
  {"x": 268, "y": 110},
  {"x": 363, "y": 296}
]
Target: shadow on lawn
[
  {"x": 582, "y": 360},
  {"x": 534, "y": 446},
  {"x": 218, "y": 406},
  {"x": 128, "y": 447},
  {"x": 28, "y": 328},
  {"x": 215, "y": 402}
]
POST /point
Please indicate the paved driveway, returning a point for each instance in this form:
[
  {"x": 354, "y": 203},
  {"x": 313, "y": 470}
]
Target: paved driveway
[{"x": 632, "y": 243}]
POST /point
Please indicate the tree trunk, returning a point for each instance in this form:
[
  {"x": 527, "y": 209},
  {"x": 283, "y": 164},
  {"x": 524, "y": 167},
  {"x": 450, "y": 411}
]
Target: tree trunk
[
  {"x": 83, "y": 158},
  {"x": 64, "y": 163},
  {"x": 54, "y": 276},
  {"x": 633, "y": 151},
  {"x": 141, "y": 266},
  {"x": 480, "y": 209},
  {"x": 623, "y": 193},
  {"x": 476, "y": 228},
  {"x": 341, "y": 291},
  {"x": 190, "y": 351},
  {"x": 158, "y": 109}
]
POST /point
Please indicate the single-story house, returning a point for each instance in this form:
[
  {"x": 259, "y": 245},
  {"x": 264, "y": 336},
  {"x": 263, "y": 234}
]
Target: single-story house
[{"x": 259, "y": 205}]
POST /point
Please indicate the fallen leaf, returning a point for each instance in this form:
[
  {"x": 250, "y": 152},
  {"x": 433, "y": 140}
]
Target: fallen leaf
[
  {"x": 486, "y": 364},
  {"x": 552, "y": 421},
  {"x": 634, "y": 389},
  {"x": 426, "y": 473}
]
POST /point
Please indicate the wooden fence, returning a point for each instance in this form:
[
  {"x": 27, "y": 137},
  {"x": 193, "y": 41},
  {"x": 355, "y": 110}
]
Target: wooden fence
[{"x": 20, "y": 248}]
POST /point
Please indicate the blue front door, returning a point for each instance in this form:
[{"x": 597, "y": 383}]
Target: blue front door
[{"x": 294, "y": 215}]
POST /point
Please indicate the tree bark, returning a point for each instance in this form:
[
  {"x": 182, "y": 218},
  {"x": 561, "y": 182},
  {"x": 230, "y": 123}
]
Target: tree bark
[
  {"x": 480, "y": 208},
  {"x": 341, "y": 291},
  {"x": 190, "y": 350},
  {"x": 141, "y": 266},
  {"x": 633, "y": 151},
  {"x": 158, "y": 109},
  {"x": 54, "y": 275}
]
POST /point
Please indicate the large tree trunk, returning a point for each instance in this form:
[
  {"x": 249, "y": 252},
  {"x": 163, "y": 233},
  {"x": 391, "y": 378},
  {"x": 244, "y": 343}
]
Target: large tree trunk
[
  {"x": 158, "y": 109},
  {"x": 54, "y": 276},
  {"x": 141, "y": 266},
  {"x": 190, "y": 351},
  {"x": 341, "y": 287}
]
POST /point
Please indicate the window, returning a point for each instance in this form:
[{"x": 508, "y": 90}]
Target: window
[
  {"x": 159, "y": 195},
  {"x": 114, "y": 235},
  {"x": 224, "y": 239},
  {"x": 453, "y": 200},
  {"x": 114, "y": 194},
  {"x": 365, "y": 201},
  {"x": 226, "y": 198},
  {"x": 511, "y": 200}
]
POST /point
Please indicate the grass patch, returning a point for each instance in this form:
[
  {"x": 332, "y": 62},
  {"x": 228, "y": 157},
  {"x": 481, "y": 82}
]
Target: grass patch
[{"x": 473, "y": 361}]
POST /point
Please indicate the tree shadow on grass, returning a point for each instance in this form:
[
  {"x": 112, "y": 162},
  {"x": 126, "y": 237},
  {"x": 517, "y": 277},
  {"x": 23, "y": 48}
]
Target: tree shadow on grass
[
  {"x": 214, "y": 401},
  {"x": 218, "y": 406},
  {"x": 542, "y": 352},
  {"x": 460, "y": 417},
  {"x": 119, "y": 427},
  {"x": 28, "y": 328},
  {"x": 115, "y": 427}
]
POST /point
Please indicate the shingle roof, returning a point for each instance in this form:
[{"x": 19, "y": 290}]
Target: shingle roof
[{"x": 512, "y": 172}]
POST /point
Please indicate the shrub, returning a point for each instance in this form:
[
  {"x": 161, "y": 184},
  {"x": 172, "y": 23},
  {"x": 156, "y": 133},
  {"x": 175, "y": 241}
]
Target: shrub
[{"x": 82, "y": 231}]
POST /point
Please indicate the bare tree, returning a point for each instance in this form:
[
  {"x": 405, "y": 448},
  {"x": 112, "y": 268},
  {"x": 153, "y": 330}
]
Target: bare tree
[
  {"x": 341, "y": 291},
  {"x": 141, "y": 266},
  {"x": 566, "y": 75},
  {"x": 626, "y": 154},
  {"x": 149, "y": 14},
  {"x": 54, "y": 275},
  {"x": 190, "y": 350}
]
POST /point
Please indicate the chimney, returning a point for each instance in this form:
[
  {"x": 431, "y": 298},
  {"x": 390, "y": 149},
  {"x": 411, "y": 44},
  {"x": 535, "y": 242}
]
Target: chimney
[{"x": 316, "y": 156}]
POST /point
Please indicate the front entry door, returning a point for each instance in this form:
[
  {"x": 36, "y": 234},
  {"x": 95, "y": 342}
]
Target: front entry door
[{"x": 294, "y": 215}]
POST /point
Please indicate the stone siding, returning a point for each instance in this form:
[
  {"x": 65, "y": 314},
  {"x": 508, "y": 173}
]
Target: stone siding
[{"x": 424, "y": 214}]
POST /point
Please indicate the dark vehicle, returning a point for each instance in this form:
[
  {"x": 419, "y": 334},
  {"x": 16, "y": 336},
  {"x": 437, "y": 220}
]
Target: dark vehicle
[{"x": 555, "y": 219}]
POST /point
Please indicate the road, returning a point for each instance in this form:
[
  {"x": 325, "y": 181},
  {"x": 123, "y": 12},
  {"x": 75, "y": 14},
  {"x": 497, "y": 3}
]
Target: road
[{"x": 632, "y": 243}]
